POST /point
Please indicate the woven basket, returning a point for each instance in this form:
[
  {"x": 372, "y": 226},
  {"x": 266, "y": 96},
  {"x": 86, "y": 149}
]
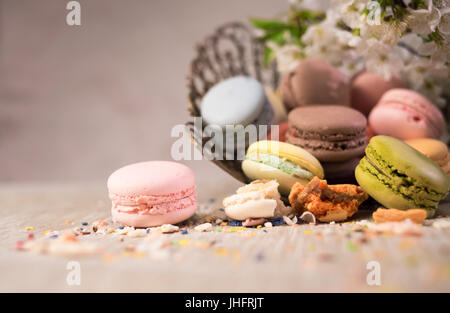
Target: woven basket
[{"x": 232, "y": 50}]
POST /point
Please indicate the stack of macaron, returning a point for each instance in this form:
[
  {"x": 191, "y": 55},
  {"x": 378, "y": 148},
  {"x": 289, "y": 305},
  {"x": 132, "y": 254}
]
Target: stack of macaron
[
  {"x": 320, "y": 120},
  {"x": 333, "y": 118},
  {"x": 324, "y": 123}
]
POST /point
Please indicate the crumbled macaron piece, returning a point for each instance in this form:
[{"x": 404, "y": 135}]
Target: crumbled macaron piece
[
  {"x": 327, "y": 202},
  {"x": 137, "y": 233},
  {"x": 441, "y": 224},
  {"x": 259, "y": 199},
  {"x": 204, "y": 227},
  {"x": 168, "y": 228},
  {"x": 309, "y": 218},
  {"x": 289, "y": 221},
  {"x": 123, "y": 230},
  {"x": 393, "y": 215}
]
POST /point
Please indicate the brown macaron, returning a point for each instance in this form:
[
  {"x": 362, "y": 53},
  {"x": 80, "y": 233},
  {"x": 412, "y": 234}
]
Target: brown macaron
[
  {"x": 314, "y": 82},
  {"x": 331, "y": 133}
]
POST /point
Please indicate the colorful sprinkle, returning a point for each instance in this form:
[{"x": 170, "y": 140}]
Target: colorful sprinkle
[
  {"x": 351, "y": 246},
  {"x": 183, "y": 242},
  {"x": 235, "y": 229},
  {"x": 259, "y": 257},
  {"x": 277, "y": 222},
  {"x": 222, "y": 251},
  {"x": 184, "y": 232},
  {"x": 19, "y": 245},
  {"x": 28, "y": 228},
  {"x": 69, "y": 237}
]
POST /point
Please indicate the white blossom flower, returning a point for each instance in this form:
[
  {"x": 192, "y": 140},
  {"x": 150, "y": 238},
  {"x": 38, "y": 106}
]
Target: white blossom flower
[
  {"x": 422, "y": 21},
  {"x": 386, "y": 48},
  {"x": 427, "y": 77},
  {"x": 442, "y": 55},
  {"x": 427, "y": 48},
  {"x": 444, "y": 25},
  {"x": 385, "y": 32},
  {"x": 411, "y": 40},
  {"x": 350, "y": 11},
  {"x": 381, "y": 59},
  {"x": 287, "y": 57},
  {"x": 317, "y": 5}
]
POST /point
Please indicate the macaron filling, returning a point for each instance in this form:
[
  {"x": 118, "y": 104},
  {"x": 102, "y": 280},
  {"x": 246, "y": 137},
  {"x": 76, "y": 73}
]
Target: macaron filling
[
  {"x": 154, "y": 204},
  {"x": 399, "y": 182},
  {"x": 281, "y": 164}
]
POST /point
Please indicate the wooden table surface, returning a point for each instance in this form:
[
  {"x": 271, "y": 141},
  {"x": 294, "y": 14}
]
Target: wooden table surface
[{"x": 284, "y": 258}]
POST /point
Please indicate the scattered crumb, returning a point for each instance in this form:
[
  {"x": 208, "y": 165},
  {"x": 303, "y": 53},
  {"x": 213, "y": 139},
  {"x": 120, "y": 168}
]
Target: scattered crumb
[
  {"x": 204, "y": 227},
  {"x": 168, "y": 228},
  {"x": 308, "y": 217},
  {"x": 441, "y": 224},
  {"x": 406, "y": 227}
]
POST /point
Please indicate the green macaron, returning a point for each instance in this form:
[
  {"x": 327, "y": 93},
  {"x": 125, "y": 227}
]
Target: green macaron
[{"x": 400, "y": 177}]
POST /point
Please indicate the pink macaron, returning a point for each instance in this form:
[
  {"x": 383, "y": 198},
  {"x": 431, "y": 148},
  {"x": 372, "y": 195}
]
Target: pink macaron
[
  {"x": 367, "y": 89},
  {"x": 152, "y": 193},
  {"x": 406, "y": 114}
]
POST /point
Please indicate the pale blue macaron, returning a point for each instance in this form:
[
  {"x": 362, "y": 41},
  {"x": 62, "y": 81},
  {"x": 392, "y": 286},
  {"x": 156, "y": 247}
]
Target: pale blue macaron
[{"x": 239, "y": 100}]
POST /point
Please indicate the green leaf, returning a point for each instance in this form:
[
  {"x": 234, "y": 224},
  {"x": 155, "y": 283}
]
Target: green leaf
[
  {"x": 277, "y": 37},
  {"x": 267, "y": 25},
  {"x": 268, "y": 52}
]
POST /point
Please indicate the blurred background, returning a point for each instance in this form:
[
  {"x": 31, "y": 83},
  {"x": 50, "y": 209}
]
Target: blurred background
[{"x": 78, "y": 102}]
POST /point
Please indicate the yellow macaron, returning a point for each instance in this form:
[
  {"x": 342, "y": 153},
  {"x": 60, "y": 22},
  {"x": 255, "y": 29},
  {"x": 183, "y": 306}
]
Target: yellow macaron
[
  {"x": 281, "y": 161},
  {"x": 434, "y": 149}
]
